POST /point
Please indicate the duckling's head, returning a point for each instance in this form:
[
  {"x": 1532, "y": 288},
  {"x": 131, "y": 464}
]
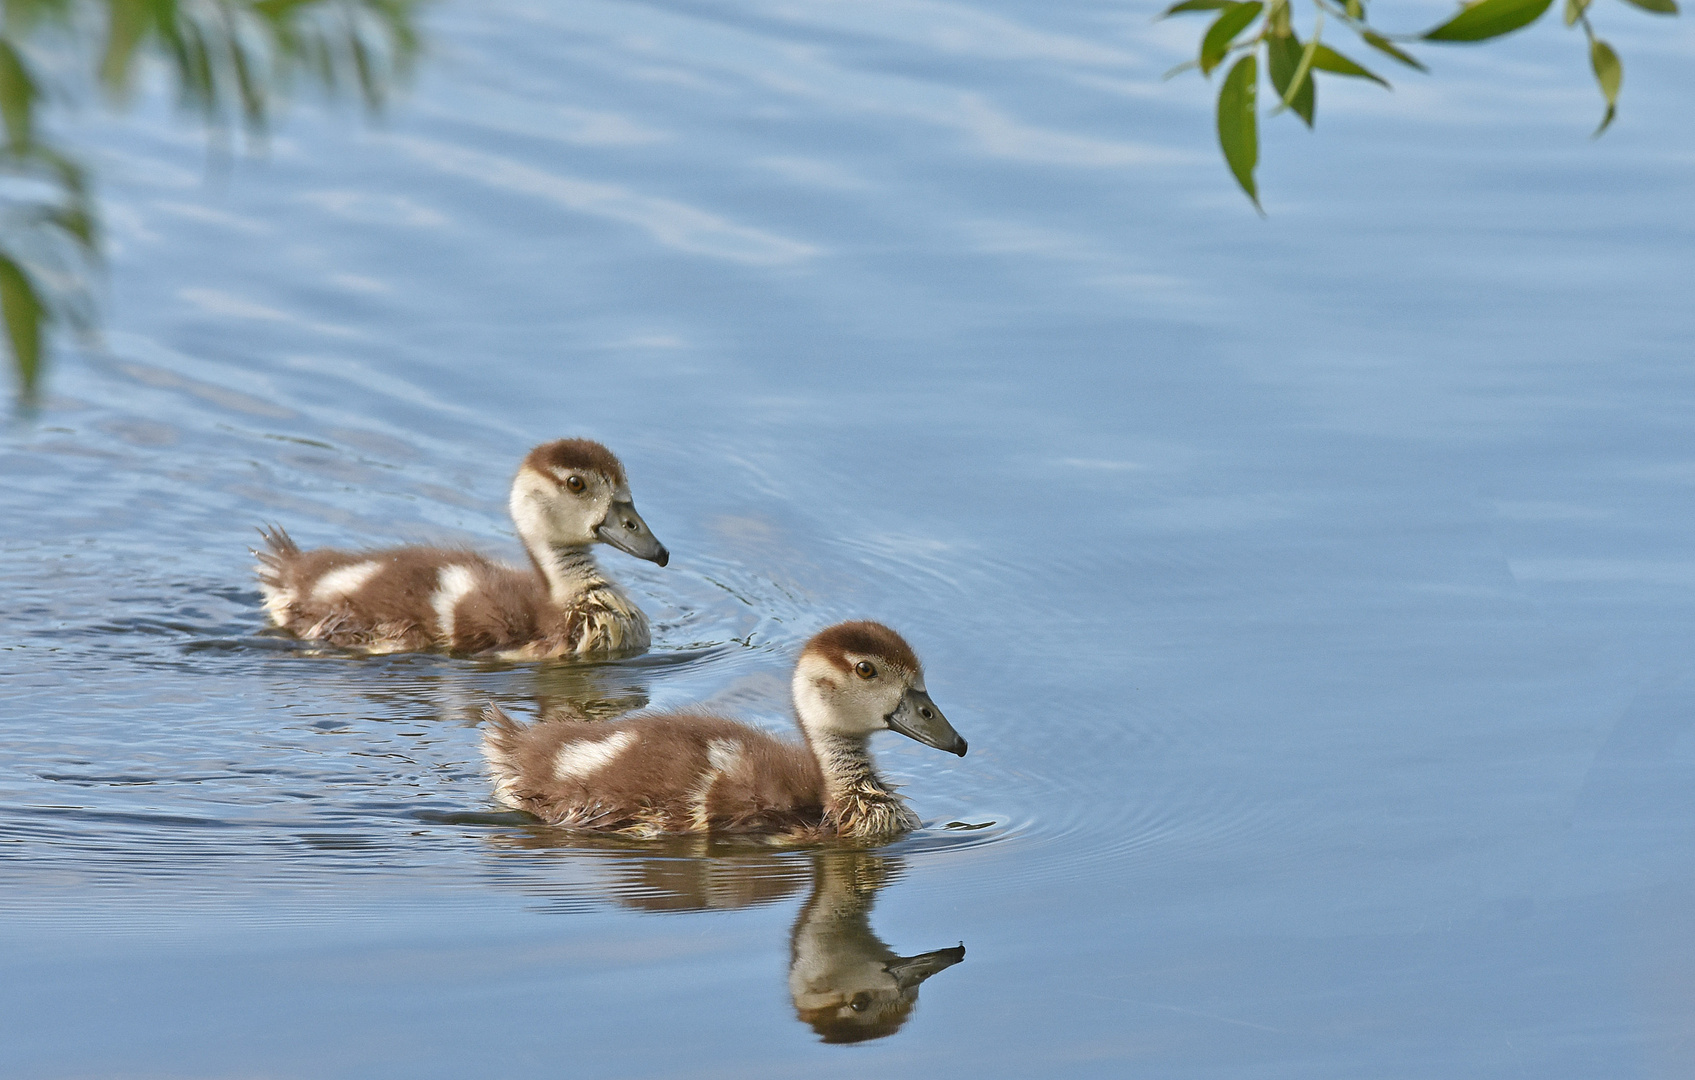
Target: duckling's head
[
  {"x": 858, "y": 677},
  {"x": 573, "y": 493}
]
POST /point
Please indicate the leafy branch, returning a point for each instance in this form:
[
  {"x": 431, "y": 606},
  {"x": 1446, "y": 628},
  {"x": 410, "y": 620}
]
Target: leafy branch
[
  {"x": 229, "y": 61},
  {"x": 1252, "y": 27}
]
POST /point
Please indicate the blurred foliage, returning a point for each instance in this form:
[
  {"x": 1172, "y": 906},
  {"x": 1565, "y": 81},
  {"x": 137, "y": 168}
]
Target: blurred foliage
[
  {"x": 228, "y": 62},
  {"x": 1248, "y": 28}
]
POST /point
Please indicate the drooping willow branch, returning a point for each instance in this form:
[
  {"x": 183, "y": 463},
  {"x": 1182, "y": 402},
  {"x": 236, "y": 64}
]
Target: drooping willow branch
[
  {"x": 1251, "y": 28},
  {"x": 228, "y": 60}
]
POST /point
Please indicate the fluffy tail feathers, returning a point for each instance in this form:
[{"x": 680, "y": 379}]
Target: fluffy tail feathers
[
  {"x": 280, "y": 548},
  {"x": 273, "y": 571},
  {"x": 501, "y": 734}
]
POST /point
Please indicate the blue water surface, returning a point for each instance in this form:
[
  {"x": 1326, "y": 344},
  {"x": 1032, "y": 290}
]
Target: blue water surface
[{"x": 1315, "y": 591}]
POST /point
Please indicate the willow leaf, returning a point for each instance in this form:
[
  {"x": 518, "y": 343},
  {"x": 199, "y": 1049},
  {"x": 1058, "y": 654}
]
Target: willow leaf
[
  {"x": 1224, "y": 30},
  {"x": 1324, "y": 58},
  {"x": 22, "y": 310},
  {"x": 1238, "y": 126},
  {"x": 1489, "y": 19},
  {"x": 126, "y": 25},
  {"x": 1609, "y": 72},
  {"x": 18, "y": 94},
  {"x": 1283, "y": 58},
  {"x": 1387, "y": 48}
]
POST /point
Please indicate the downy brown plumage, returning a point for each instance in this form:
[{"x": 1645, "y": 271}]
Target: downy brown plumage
[
  {"x": 692, "y": 773},
  {"x": 567, "y": 496}
]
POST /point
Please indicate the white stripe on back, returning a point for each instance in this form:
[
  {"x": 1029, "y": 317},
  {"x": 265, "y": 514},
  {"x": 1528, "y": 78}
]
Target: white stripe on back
[
  {"x": 344, "y": 579},
  {"x": 452, "y": 584},
  {"x": 724, "y": 755},
  {"x": 580, "y": 757}
]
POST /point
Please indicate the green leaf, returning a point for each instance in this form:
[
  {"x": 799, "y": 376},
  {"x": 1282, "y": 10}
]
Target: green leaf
[
  {"x": 1283, "y": 57},
  {"x": 1489, "y": 19},
  {"x": 126, "y": 25},
  {"x": 1355, "y": 9},
  {"x": 1609, "y": 72},
  {"x": 1382, "y": 45},
  {"x": 1658, "y": 7},
  {"x": 1303, "y": 72},
  {"x": 76, "y": 221},
  {"x": 18, "y": 94},
  {"x": 276, "y": 9},
  {"x": 1224, "y": 30},
  {"x": 1575, "y": 10},
  {"x": 21, "y": 308},
  {"x": 1238, "y": 126},
  {"x": 1195, "y": 5},
  {"x": 1324, "y": 58}
]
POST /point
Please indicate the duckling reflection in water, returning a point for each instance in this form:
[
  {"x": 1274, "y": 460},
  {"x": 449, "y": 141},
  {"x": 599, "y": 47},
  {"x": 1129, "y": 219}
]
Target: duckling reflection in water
[
  {"x": 567, "y": 496},
  {"x": 583, "y": 692},
  {"x": 562, "y": 691},
  {"x": 845, "y": 982},
  {"x": 688, "y": 773}
]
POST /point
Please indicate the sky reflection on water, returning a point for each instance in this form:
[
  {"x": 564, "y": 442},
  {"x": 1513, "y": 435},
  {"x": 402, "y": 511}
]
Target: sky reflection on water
[{"x": 1315, "y": 592}]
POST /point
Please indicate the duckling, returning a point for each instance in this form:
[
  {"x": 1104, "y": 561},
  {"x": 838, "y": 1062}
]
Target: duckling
[
  {"x": 693, "y": 773},
  {"x": 567, "y": 496}
]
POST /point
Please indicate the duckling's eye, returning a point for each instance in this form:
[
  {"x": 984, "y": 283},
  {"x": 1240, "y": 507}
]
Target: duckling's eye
[
  {"x": 865, "y": 669},
  {"x": 575, "y": 483},
  {"x": 861, "y": 1001}
]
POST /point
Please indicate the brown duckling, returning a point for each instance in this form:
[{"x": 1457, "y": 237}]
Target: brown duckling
[
  {"x": 568, "y": 495},
  {"x": 692, "y": 773}
]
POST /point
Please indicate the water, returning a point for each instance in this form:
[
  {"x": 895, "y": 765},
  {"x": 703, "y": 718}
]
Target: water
[{"x": 1315, "y": 592}]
